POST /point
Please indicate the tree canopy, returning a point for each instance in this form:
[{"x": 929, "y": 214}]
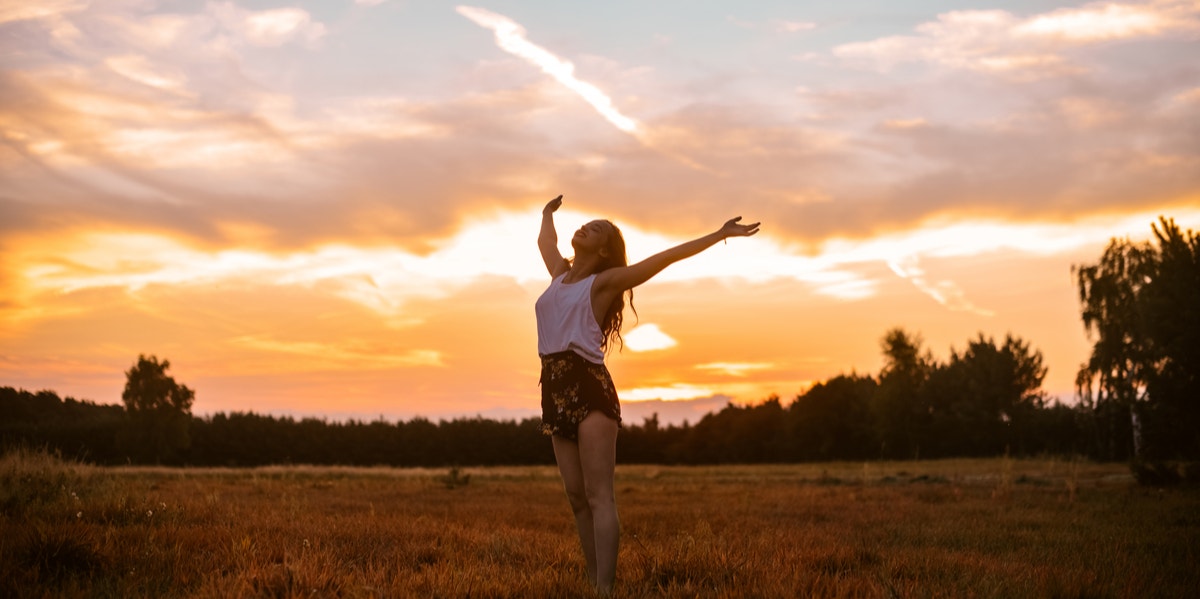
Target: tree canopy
[
  {"x": 158, "y": 410},
  {"x": 1141, "y": 306}
]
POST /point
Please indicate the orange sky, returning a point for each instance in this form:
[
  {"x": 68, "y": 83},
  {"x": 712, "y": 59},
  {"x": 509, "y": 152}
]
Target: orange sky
[{"x": 332, "y": 210}]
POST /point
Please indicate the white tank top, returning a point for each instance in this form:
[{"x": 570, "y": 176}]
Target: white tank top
[{"x": 565, "y": 320}]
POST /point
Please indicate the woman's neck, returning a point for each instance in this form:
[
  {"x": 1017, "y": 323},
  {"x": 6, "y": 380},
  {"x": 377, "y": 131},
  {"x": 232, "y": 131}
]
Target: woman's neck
[{"x": 582, "y": 267}]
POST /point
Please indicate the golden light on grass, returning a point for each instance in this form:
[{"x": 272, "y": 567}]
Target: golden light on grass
[{"x": 994, "y": 527}]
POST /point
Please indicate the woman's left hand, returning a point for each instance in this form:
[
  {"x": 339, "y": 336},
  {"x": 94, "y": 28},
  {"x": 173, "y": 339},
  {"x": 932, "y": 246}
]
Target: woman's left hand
[
  {"x": 733, "y": 229},
  {"x": 552, "y": 206}
]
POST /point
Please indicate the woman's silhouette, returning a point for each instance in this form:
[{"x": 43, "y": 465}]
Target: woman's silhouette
[{"x": 578, "y": 320}]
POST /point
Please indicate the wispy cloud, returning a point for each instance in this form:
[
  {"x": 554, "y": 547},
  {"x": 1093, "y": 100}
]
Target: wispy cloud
[
  {"x": 774, "y": 25},
  {"x": 1000, "y": 42},
  {"x": 20, "y": 11},
  {"x": 944, "y": 292},
  {"x": 273, "y": 27},
  {"x": 140, "y": 69},
  {"x": 675, "y": 392},
  {"x": 511, "y": 37},
  {"x": 1104, "y": 21},
  {"x": 358, "y": 356},
  {"x": 648, "y": 337}
]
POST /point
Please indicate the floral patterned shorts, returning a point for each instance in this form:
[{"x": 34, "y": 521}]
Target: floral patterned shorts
[{"x": 572, "y": 387}]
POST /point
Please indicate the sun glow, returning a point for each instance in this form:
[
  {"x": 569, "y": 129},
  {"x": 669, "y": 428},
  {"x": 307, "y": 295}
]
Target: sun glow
[
  {"x": 738, "y": 369},
  {"x": 676, "y": 392},
  {"x": 500, "y": 244}
]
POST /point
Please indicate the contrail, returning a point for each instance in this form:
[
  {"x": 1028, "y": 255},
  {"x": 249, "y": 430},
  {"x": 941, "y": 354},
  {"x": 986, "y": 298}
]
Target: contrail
[
  {"x": 945, "y": 293},
  {"x": 511, "y": 38}
]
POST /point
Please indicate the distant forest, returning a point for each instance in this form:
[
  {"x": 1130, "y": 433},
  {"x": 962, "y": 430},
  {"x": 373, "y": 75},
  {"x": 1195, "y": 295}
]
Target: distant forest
[
  {"x": 831, "y": 421},
  {"x": 984, "y": 401},
  {"x": 1138, "y": 396}
]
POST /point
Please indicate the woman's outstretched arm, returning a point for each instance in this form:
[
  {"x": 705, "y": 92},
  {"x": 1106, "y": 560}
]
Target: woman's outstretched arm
[
  {"x": 548, "y": 240},
  {"x": 617, "y": 280}
]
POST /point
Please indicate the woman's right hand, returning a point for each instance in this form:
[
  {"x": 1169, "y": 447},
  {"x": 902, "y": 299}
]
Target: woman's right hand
[
  {"x": 552, "y": 206},
  {"x": 732, "y": 228}
]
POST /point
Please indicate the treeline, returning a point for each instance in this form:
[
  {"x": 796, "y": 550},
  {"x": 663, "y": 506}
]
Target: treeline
[
  {"x": 984, "y": 401},
  {"x": 78, "y": 429},
  {"x": 98, "y": 433}
]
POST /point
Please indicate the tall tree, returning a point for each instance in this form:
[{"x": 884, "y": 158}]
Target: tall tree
[
  {"x": 1170, "y": 316},
  {"x": 1114, "y": 377},
  {"x": 158, "y": 411},
  {"x": 901, "y": 410},
  {"x": 1141, "y": 304}
]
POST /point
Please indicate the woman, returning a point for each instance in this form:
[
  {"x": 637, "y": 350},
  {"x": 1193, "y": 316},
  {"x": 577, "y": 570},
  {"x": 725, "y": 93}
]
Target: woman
[{"x": 578, "y": 319}]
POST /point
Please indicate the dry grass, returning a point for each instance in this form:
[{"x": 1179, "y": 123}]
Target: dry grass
[{"x": 959, "y": 528}]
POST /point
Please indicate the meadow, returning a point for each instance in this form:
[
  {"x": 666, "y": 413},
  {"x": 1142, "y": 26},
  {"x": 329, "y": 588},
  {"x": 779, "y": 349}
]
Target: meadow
[{"x": 949, "y": 528}]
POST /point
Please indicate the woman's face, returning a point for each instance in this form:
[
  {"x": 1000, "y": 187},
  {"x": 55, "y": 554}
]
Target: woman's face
[{"x": 592, "y": 237}]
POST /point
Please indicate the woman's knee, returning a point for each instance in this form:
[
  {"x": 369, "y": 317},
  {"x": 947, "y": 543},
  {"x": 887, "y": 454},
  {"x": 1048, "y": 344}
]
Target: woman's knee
[
  {"x": 600, "y": 497},
  {"x": 578, "y": 499}
]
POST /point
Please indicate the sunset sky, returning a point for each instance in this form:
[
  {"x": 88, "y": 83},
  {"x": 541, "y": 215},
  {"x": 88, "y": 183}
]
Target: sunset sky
[{"x": 330, "y": 208}]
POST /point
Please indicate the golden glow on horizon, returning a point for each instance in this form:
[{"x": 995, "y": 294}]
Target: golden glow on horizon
[
  {"x": 677, "y": 392},
  {"x": 738, "y": 369},
  {"x": 381, "y": 278},
  {"x": 398, "y": 294},
  {"x": 359, "y": 356}
]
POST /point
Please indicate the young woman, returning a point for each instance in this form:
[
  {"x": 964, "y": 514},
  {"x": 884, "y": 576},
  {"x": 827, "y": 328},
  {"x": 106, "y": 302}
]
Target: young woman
[{"x": 578, "y": 320}]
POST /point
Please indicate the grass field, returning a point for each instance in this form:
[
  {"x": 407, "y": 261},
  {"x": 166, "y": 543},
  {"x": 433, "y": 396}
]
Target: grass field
[{"x": 955, "y": 528}]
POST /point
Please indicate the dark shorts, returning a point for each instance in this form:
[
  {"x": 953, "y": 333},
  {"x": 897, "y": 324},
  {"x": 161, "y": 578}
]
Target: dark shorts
[{"x": 572, "y": 388}]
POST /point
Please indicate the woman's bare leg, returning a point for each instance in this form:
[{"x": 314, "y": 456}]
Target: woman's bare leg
[
  {"x": 597, "y": 449},
  {"x": 566, "y": 453},
  {"x": 587, "y": 468}
]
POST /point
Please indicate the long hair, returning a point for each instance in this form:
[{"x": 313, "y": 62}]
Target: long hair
[{"x": 611, "y": 326}]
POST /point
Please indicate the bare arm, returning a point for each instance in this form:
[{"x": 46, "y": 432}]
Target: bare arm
[
  {"x": 548, "y": 240},
  {"x": 615, "y": 281}
]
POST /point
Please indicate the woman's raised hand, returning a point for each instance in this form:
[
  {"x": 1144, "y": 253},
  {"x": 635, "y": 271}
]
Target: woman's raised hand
[
  {"x": 731, "y": 228},
  {"x": 552, "y": 205}
]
